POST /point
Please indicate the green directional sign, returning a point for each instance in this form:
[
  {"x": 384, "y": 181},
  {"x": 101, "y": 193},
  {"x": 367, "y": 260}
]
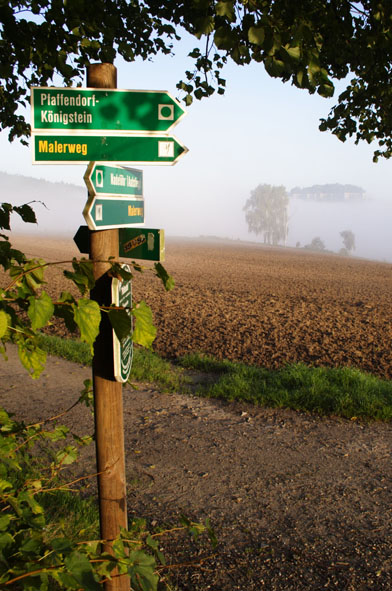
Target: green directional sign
[
  {"x": 91, "y": 109},
  {"x": 135, "y": 243},
  {"x": 122, "y": 350},
  {"x": 103, "y": 213},
  {"x": 142, "y": 243},
  {"x": 138, "y": 149},
  {"x": 113, "y": 180}
]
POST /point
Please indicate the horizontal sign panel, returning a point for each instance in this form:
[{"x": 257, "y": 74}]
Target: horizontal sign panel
[
  {"x": 113, "y": 180},
  {"x": 147, "y": 244},
  {"x": 103, "y": 213},
  {"x": 142, "y": 243},
  {"x": 92, "y": 109},
  {"x": 139, "y": 149}
]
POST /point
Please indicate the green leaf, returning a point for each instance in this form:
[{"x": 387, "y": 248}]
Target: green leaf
[
  {"x": 82, "y": 276},
  {"x": 58, "y": 433},
  {"x": 8, "y": 255},
  {"x": 28, "y": 498},
  {"x": 144, "y": 332},
  {"x": 31, "y": 545},
  {"x": 86, "y": 395},
  {"x": 226, "y": 8},
  {"x": 67, "y": 455},
  {"x": 6, "y": 540},
  {"x": 167, "y": 279},
  {"x": 87, "y": 316},
  {"x": 81, "y": 570},
  {"x": 204, "y": 26},
  {"x": 141, "y": 570},
  {"x": 32, "y": 358},
  {"x": 256, "y": 35},
  {"x": 26, "y": 213},
  {"x": 224, "y": 37},
  {"x": 5, "y": 210},
  {"x": 4, "y": 522},
  {"x": 4, "y": 319},
  {"x": 40, "y": 310},
  {"x": 274, "y": 67},
  {"x": 294, "y": 52},
  {"x": 4, "y": 485},
  {"x": 121, "y": 322},
  {"x": 63, "y": 309}
]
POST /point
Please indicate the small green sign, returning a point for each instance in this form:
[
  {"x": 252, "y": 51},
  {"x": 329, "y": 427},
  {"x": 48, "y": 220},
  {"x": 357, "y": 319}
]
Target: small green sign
[
  {"x": 122, "y": 350},
  {"x": 103, "y": 213},
  {"x": 139, "y": 149},
  {"x": 113, "y": 180},
  {"x": 92, "y": 109},
  {"x": 134, "y": 243},
  {"x": 142, "y": 243}
]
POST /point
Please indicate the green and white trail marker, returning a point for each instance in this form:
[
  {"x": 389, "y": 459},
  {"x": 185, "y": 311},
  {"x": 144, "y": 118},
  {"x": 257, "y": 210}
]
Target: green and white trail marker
[
  {"x": 105, "y": 213},
  {"x": 147, "y": 244},
  {"x": 111, "y": 110},
  {"x": 142, "y": 243},
  {"x": 122, "y": 350},
  {"x": 79, "y": 149},
  {"x": 113, "y": 180}
]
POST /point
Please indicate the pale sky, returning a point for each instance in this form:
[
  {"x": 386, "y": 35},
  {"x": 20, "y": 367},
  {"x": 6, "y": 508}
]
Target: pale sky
[{"x": 260, "y": 131}]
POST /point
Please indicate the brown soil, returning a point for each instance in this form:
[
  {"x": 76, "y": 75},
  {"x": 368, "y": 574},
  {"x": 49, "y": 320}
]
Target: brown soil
[{"x": 299, "y": 502}]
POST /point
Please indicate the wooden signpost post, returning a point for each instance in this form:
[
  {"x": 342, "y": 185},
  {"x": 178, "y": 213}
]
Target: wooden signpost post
[
  {"x": 108, "y": 405},
  {"x": 102, "y": 124}
]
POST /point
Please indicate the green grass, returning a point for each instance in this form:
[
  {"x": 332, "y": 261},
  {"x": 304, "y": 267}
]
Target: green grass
[
  {"x": 149, "y": 367},
  {"x": 75, "y": 351},
  {"x": 344, "y": 392},
  {"x": 146, "y": 365},
  {"x": 71, "y": 514}
]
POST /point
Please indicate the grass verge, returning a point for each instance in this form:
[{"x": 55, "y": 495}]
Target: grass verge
[
  {"x": 345, "y": 392},
  {"x": 146, "y": 366}
]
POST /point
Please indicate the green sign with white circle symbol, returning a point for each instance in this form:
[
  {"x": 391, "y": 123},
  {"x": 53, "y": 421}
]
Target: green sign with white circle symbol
[{"x": 111, "y": 110}]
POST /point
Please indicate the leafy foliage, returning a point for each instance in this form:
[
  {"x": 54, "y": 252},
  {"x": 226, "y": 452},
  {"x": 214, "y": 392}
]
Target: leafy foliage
[
  {"x": 309, "y": 43},
  {"x": 26, "y": 308},
  {"x": 266, "y": 213},
  {"x": 35, "y": 551}
]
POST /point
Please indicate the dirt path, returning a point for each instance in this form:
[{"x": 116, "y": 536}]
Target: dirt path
[{"x": 298, "y": 502}]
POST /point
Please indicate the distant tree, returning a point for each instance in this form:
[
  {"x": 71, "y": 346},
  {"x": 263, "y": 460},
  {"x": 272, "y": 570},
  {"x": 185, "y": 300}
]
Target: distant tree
[
  {"x": 343, "y": 252},
  {"x": 348, "y": 240},
  {"x": 317, "y": 244},
  {"x": 266, "y": 213}
]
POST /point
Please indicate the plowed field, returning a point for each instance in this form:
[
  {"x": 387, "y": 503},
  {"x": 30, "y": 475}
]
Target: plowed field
[
  {"x": 263, "y": 306},
  {"x": 299, "y": 502}
]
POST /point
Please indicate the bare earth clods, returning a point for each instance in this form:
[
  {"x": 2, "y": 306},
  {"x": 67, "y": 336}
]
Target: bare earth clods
[{"x": 298, "y": 502}]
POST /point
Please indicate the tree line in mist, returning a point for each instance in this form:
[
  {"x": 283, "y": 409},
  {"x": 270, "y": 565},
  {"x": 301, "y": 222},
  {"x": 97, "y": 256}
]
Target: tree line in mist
[{"x": 266, "y": 213}]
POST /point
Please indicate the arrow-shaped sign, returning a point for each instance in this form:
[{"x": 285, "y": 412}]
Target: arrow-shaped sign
[
  {"x": 137, "y": 149},
  {"x": 147, "y": 244},
  {"x": 113, "y": 180},
  {"x": 92, "y": 109},
  {"x": 104, "y": 213}
]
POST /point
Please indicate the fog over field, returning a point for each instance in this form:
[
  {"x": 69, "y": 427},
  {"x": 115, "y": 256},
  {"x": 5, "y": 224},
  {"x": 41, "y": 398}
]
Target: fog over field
[{"x": 370, "y": 219}]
